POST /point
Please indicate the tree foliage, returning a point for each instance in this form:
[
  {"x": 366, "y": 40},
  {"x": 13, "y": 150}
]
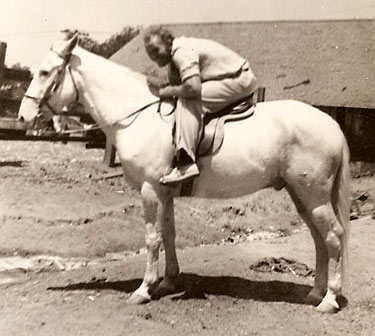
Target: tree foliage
[
  {"x": 15, "y": 88},
  {"x": 18, "y": 66},
  {"x": 109, "y": 46}
]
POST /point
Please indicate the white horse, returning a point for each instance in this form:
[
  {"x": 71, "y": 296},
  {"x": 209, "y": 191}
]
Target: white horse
[{"x": 285, "y": 144}]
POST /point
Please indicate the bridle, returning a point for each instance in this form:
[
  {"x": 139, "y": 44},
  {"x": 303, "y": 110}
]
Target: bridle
[
  {"x": 54, "y": 85},
  {"x": 56, "y": 82}
]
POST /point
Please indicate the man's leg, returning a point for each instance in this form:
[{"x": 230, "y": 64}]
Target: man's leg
[
  {"x": 216, "y": 95},
  {"x": 189, "y": 121}
]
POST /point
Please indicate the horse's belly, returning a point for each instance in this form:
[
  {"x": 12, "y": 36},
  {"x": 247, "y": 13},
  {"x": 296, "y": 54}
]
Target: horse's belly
[
  {"x": 244, "y": 164},
  {"x": 228, "y": 184}
]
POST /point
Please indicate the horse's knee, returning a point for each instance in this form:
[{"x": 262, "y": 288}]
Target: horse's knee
[
  {"x": 333, "y": 241},
  {"x": 327, "y": 224},
  {"x": 153, "y": 237},
  {"x": 324, "y": 216}
]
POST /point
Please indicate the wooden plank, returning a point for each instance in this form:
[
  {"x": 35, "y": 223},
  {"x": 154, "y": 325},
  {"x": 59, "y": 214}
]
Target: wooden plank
[
  {"x": 54, "y": 137},
  {"x": 14, "y": 129},
  {"x": 109, "y": 175},
  {"x": 11, "y": 103},
  {"x": 95, "y": 144},
  {"x": 12, "y": 124}
]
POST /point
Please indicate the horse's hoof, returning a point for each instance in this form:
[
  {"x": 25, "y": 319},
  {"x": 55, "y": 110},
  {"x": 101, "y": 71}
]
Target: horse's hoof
[
  {"x": 313, "y": 299},
  {"x": 166, "y": 287},
  {"x": 163, "y": 290},
  {"x": 327, "y": 308},
  {"x": 137, "y": 299}
]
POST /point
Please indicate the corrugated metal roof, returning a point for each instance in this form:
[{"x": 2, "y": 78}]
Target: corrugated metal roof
[{"x": 319, "y": 62}]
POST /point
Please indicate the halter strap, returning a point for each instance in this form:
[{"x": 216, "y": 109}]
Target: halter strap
[
  {"x": 65, "y": 58},
  {"x": 55, "y": 84}
]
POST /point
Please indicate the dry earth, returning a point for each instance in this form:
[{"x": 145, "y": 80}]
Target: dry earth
[{"x": 71, "y": 245}]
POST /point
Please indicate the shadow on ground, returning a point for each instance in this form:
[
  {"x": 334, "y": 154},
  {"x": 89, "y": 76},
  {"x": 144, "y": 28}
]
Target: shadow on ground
[
  {"x": 17, "y": 163},
  {"x": 193, "y": 286}
]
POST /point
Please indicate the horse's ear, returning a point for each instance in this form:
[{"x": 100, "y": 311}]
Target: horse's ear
[
  {"x": 71, "y": 44},
  {"x": 65, "y": 48}
]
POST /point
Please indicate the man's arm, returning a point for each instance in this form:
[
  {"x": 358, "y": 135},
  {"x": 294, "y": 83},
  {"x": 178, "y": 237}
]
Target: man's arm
[{"x": 191, "y": 88}]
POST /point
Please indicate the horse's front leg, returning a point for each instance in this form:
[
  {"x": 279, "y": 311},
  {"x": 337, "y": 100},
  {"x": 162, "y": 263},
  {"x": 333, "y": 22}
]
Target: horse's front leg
[
  {"x": 167, "y": 285},
  {"x": 154, "y": 208}
]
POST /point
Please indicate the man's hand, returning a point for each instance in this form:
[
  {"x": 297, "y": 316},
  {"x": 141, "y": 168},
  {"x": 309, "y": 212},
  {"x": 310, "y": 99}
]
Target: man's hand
[
  {"x": 155, "y": 81},
  {"x": 155, "y": 84},
  {"x": 154, "y": 90}
]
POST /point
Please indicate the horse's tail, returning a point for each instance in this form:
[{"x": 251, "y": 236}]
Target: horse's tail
[{"x": 341, "y": 202}]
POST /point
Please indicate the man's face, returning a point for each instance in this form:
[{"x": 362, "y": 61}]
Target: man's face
[{"x": 158, "y": 51}]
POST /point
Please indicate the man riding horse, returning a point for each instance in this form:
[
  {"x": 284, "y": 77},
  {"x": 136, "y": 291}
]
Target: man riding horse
[
  {"x": 302, "y": 148},
  {"x": 206, "y": 77}
]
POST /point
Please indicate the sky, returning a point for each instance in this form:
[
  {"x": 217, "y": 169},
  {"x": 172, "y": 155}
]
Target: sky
[{"x": 29, "y": 27}]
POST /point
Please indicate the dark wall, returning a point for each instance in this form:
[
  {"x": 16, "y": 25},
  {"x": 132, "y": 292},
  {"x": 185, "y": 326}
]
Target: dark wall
[{"x": 358, "y": 126}]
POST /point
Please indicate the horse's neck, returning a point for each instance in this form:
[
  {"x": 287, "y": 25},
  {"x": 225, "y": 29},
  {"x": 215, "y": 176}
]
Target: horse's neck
[{"x": 109, "y": 91}]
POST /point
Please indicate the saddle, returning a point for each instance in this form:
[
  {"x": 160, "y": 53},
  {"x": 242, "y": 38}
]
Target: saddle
[{"x": 213, "y": 130}]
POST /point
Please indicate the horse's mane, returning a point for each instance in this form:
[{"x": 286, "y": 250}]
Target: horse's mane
[
  {"x": 112, "y": 66},
  {"x": 116, "y": 80}
]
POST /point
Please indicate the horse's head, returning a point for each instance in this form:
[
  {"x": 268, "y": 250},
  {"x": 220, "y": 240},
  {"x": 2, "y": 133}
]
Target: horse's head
[{"x": 53, "y": 86}]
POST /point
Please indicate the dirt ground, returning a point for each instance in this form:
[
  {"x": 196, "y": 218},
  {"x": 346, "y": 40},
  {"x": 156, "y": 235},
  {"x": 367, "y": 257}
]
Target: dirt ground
[{"x": 71, "y": 247}]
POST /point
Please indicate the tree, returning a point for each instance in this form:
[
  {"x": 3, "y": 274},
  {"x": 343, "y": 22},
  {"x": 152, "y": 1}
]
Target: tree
[
  {"x": 109, "y": 46},
  {"x": 18, "y": 66},
  {"x": 15, "y": 86}
]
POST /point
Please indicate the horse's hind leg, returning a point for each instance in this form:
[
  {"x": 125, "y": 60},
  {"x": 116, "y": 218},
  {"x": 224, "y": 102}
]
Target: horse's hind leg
[
  {"x": 327, "y": 232},
  {"x": 321, "y": 261},
  {"x": 329, "y": 227}
]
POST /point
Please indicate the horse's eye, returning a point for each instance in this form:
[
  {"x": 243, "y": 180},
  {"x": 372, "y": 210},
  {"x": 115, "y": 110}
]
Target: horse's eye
[{"x": 43, "y": 73}]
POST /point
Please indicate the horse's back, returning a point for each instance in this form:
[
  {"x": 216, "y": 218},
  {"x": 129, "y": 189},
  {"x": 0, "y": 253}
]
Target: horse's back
[
  {"x": 291, "y": 122},
  {"x": 282, "y": 124},
  {"x": 294, "y": 114},
  {"x": 311, "y": 128}
]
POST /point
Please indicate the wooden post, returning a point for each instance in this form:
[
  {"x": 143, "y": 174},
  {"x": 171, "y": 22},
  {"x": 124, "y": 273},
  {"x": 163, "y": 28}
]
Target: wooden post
[
  {"x": 3, "y": 48},
  {"x": 348, "y": 124},
  {"x": 109, "y": 154},
  {"x": 261, "y": 94}
]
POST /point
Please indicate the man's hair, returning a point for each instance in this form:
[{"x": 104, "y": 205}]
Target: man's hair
[{"x": 165, "y": 35}]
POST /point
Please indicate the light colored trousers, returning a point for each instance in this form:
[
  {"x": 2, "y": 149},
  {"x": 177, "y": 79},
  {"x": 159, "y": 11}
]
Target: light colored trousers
[{"x": 216, "y": 95}]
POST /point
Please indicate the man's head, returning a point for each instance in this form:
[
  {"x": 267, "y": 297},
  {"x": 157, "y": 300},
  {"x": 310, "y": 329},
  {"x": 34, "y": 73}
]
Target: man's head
[{"x": 158, "y": 43}]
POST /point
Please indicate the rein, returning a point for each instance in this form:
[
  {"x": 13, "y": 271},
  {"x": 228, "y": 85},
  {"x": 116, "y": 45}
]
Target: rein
[
  {"x": 96, "y": 126},
  {"x": 44, "y": 100}
]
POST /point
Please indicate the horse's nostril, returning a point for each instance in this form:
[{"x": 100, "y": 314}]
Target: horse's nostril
[{"x": 21, "y": 119}]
